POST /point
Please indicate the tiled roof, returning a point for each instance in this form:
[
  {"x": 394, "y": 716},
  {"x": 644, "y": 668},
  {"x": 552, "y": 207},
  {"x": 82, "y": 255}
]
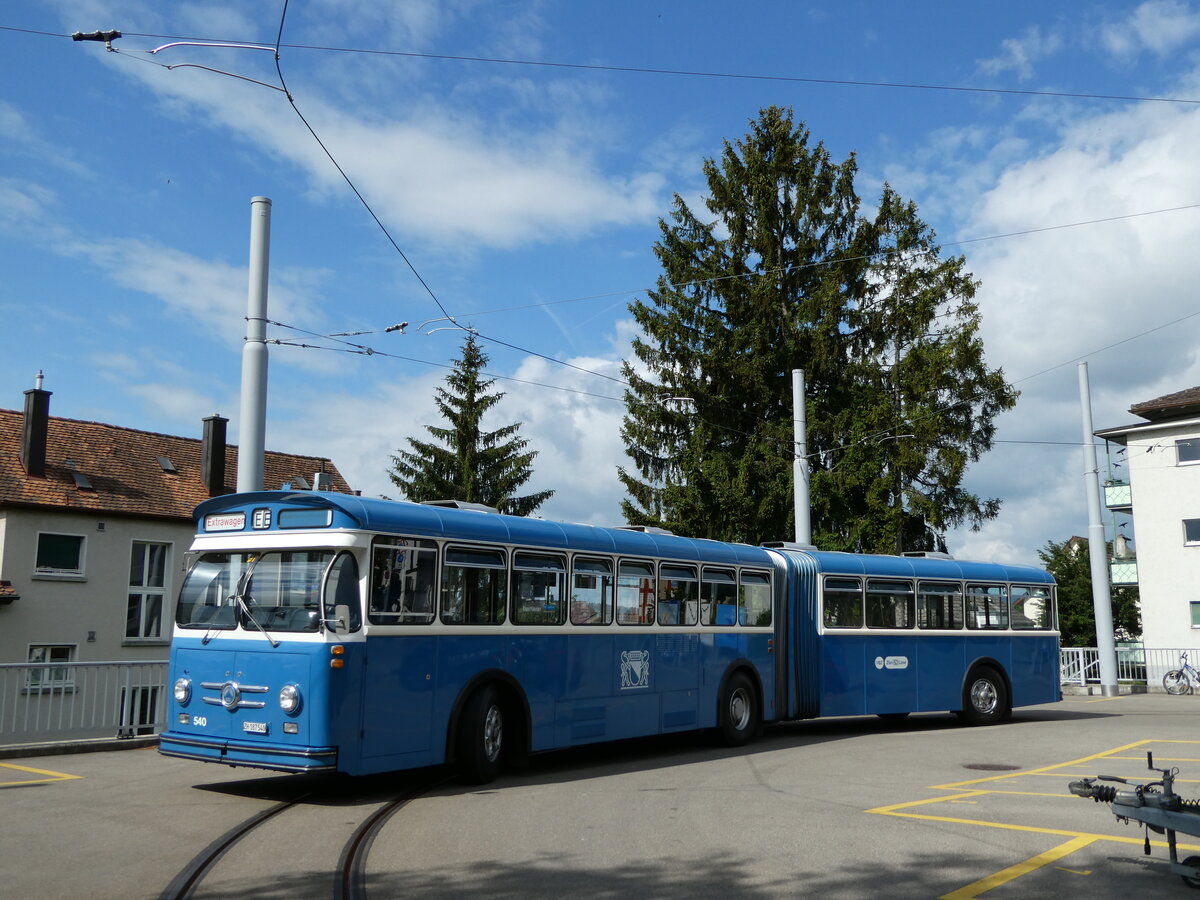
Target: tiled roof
[
  {"x": 1180, "y": 405},
  {"x": 122, "y": 466}
]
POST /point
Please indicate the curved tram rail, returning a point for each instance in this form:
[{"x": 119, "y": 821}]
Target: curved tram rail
[{"x": 349, "y": 878}]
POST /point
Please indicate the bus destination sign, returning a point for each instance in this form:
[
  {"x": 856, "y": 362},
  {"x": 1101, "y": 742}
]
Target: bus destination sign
[{"x": 225, "y": 522}]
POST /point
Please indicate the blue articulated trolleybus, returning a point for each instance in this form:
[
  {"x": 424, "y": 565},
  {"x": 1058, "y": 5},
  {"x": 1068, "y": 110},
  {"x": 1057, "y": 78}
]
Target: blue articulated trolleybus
[{"x": 325, "y": 632}]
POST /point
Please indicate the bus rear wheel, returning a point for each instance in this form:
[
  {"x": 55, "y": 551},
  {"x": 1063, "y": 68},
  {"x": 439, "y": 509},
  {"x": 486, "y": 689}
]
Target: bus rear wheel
[
  {"x": 481, "y": 736},
  {"x": 985, "y": 698},
  {"x": 738, "y": 713}
]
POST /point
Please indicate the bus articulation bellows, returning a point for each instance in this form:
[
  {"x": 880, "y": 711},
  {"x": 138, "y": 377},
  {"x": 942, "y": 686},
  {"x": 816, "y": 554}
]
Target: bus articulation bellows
[{"x": 325, "y": 632}]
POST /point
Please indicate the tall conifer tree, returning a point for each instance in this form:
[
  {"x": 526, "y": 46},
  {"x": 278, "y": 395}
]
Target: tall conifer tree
[
  {"x": 786, "y": 273},
  {"x": 468, "y": 463}
]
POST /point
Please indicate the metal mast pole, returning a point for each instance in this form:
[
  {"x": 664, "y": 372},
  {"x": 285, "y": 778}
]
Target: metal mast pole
[
  {"x": 1097, "y": 547},
  {"x": 253, "y": 419},
  {"x": 800, "y": 461}
]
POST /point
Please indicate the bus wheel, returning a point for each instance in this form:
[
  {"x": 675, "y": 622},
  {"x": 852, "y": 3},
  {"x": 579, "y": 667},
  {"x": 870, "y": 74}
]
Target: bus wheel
[
  {"x": 738, "y": 714},
  {"x": 481, "y": 737},
  {"x": 985, "y": 700}
]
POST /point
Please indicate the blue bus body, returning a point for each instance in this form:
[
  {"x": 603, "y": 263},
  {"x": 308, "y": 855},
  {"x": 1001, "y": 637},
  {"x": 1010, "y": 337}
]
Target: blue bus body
[{"x": 291, "y": 652}]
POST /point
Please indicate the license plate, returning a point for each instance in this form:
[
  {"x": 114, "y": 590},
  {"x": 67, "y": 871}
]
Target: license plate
[{"x": 255, "y": 727}]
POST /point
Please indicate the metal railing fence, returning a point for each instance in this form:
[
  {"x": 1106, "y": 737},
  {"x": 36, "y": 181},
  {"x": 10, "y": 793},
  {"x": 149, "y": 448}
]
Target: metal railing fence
[
  {"x": 73, "y": 701},
  {"x": 1135, "y": 665}
]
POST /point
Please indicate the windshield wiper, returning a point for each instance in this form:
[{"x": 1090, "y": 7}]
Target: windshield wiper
[{"x": 243, "y": 584}]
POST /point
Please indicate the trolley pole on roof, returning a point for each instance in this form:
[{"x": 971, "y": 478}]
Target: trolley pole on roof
[
  {"x": 252, "y": 429},
  {"x": 1097, "y": 547},
  {"x": 800, "y": 460}
]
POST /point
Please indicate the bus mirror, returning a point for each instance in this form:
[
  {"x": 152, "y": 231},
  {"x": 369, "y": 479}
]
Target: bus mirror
[{"x": 341, "y": 619}]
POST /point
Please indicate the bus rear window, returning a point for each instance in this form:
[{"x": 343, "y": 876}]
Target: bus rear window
[{"x": 1032, "y": 608}]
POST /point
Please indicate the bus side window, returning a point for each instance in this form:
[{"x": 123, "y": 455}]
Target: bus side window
[
  {"x": 939, "y": 605},
  {"x": 635, "y": 593},
  {"x": 754, "y": 599},
  {"x": 341, "y": 589},
  {"x": 718, "y": 603},
  {"x": 842, "y": 601},
  {"x": 591, "y": 592},
  {"x": 538, "y": 588},
  {"x": 678, "y": 594},
  {"x": 474, "y": 588},
  {"x": 889, "y": 604},
  {"x": 403, "y": 578},
  {"x": 987, "y": 606}
]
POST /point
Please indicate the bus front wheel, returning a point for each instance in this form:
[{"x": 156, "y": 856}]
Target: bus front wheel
[
  {"x": 481, "y": 736},
  {"x": 985, "y": 698},
  {"x": 739, "y": 710}
]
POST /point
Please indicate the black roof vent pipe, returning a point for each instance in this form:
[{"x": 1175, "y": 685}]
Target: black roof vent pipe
[{"x": 34, "y": 430}]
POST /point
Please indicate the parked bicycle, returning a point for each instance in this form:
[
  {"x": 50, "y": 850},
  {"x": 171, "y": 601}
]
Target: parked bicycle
[{"x": 1182, "y": 680}]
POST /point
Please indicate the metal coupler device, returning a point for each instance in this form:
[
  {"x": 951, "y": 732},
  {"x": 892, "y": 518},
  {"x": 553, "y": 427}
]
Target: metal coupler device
[{"x": 1154, "y": 804}]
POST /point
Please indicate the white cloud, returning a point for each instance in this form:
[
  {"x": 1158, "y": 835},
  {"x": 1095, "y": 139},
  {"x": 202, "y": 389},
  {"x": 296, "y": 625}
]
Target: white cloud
[
  {"x": 1159, "y": 27},
  {"x": 1019, "y": 55}
]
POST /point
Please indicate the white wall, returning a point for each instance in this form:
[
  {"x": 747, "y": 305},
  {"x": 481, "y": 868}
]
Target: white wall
[{"x": 1164, "y": 494}]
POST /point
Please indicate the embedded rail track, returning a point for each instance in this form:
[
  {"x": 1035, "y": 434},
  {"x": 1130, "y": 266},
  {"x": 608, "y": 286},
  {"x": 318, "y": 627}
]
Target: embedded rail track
[{"x": 348, "y": 880}]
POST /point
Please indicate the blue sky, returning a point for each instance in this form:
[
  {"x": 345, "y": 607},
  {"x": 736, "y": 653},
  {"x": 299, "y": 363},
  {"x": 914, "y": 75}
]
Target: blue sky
[{"x": 528, "y": 197}]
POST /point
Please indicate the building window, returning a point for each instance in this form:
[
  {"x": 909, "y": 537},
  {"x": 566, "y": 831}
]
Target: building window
[
  {"x": 1191, "y": 531},
  {"x": 1195, "y": 607},
  {"x": 48, "y": 669},
  {"x": 1187, "y": 450},
  {"x": 147, "y": 589},
  {"x": 59, "y": 554}
]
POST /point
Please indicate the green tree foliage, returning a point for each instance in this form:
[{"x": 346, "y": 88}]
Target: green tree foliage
[
  {"x": 468, "y": 463},
  {"x": 786, "y": 273},
  {"x": 1070, "y": 564}
]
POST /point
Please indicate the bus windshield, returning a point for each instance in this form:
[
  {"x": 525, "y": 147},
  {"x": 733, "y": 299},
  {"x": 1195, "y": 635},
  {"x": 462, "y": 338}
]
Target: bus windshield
[{"x": 282, "y": 591}]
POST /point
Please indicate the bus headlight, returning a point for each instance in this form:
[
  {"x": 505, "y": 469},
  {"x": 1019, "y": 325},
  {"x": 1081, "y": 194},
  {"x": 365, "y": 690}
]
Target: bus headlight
[
  {"x": 289, "y": 699},
  {"x": 183, "y": 691}
]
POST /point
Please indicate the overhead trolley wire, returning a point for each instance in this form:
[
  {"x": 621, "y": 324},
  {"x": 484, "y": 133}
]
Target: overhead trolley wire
[{"x": 677, "y": 73}]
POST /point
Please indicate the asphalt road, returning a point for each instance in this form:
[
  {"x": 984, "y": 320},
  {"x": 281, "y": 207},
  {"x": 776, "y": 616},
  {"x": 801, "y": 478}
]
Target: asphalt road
[{"x": 863, "y": 807}]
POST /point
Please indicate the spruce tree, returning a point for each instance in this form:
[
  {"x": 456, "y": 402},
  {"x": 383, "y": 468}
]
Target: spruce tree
[
  {"x": 467, "y": 463},
  {"x": 786, "y": 273}
]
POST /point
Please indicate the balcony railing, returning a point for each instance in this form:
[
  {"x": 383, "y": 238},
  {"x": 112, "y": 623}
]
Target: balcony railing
[
  {"x": 1118, "y": 495},
  {"x": 73, "y": 701},
  {"x": 1123, "y": 571}
]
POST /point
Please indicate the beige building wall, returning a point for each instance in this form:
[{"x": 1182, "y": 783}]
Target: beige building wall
[{"x": 86, "y": 610}]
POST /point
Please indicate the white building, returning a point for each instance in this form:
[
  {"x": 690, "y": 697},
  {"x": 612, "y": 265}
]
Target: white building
[
  {"x": 94, "y": 523},
  {"x": 1163, "y": 496}
]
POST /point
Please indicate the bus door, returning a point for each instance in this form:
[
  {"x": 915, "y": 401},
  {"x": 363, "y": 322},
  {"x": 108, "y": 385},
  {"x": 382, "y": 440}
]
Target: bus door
[
  {"x": 891, "y": 654},
  {"x": 401, "y": 669}
]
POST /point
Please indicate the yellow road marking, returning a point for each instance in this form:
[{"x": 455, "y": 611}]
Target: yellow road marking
[
  {"x": 52, "y": 776},
  {"x": 1004, "y": 876},
  {"x": 1077, "y": 840}
]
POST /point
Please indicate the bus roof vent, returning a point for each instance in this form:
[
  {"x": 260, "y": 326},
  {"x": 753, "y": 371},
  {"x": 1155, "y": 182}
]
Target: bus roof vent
[
  {"x": 644, "y": 529},
  {"x": 786, "y": 545},
  {"x": 461, "y": 504},
  {"x": 927, "y": 554}
]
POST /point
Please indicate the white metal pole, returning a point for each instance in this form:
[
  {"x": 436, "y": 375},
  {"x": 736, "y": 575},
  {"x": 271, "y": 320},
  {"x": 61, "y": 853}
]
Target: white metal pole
[
  {"x": 253, "y": 425},
  {"x": 1097, "y": 547},
  {"x": 800, "y": 461}
]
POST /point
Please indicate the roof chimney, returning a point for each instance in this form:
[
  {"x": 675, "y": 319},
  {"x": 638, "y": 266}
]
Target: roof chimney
[
  {"x": 212, "y": 455},
  {"x": 34, "y": 429}
]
